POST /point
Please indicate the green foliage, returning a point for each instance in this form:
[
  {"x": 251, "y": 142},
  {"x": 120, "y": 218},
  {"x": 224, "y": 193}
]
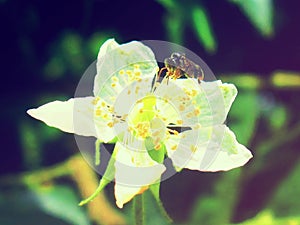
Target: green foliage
[
  {"x": 225, "y": 193},
  {"x": 31, "y": 146},
  {"x": 19, "y": 206},
  {"x": 278, "y": 117},
  {"x": 153, "y": 212},
  {"x": 107, "y": 177},
  {"x": 267, "y": 218},
  {"x": 285, "y": 201},
  {"x": 260, "y": 13},
  {"x": 182, "y": 14},
  {"x": 244, "y": 114},
  {"x": 203, "y": 29},
  {"x": 61, "y": 202},
  {"x": 157, "y": 155},
  {"x": 95, "y": 41},
  {"x": 71, "y": 53},
  {"x": 244, "y": 81}
]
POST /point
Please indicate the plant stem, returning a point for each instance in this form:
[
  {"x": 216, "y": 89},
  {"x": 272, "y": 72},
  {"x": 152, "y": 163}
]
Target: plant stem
[{"x": 139, "y": 210}]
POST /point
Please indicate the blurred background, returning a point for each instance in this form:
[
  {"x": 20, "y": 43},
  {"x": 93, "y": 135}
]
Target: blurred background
[{"x": 47, "y": 45}]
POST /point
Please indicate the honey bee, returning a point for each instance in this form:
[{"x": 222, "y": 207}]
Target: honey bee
[{"x": 179, "y": 65}]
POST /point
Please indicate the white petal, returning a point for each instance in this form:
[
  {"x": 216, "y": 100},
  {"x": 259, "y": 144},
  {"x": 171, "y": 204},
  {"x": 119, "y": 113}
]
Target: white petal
[
  {"x": 208, "y": 149},
  {"x": 214, "y": 100},
  {"x": 73, "y": 116},
  {"x": 135, "y": 171},
  {"x": 130, "y": 59}
]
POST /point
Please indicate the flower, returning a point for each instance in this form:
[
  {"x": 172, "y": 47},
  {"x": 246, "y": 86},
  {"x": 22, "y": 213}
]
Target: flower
[{"x": 178, "y": 118}]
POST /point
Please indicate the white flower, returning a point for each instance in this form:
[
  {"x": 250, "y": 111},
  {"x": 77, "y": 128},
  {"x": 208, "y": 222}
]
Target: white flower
[{"x": 146, "y": 119}]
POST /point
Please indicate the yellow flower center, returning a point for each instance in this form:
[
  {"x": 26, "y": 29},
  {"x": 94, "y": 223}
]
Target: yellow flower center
[{"x": 144, "y": 122}]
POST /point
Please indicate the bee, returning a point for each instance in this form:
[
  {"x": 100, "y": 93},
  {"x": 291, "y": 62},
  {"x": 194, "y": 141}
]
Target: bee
[{"x": 179, "y": 65}]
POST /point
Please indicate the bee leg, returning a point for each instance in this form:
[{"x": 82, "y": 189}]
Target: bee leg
[
  {"x": 202, "y": 76},
  {"x": 160, "y": 71}
]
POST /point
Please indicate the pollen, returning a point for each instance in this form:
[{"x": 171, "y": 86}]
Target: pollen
[
  {"x": 98, "y": 112},
  {"x": 115, "y": 79},
  {"x": 179, "y": 122},
  {"x": 129, "y": 72},
  {"x": 174, "y": 147},
  {"x": 128, "y": 92},
  {"x": 181, "y": 108},
  {"x": 137, "y": 72},
  {"x": 105, "y": 116},
  {"x": 157, "y": 147},
  {"x": 113, "y": 85},
  {"x": 103, "y": 104},
  {"x": 194, "y": 93},
  {"x": 95, "y": 100},
  {"x": 136, "y": 66},
  {"x": 121, "y": 72},
  {"x": 197, "y": 126},
  {"x": 141, "y": 111},
  {"x": 143, "y": 129},
  {"x": 197, "y": 112},
  {"x": 137, "y": 90},
  {"x": 111, "y": 109},
  {"x": 110, "y": 124},
  {"x": 193, "y": 148}
]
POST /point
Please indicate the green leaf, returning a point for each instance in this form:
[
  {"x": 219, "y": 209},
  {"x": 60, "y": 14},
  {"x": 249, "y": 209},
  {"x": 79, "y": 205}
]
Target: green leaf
[
  {"x": 267, "y": 217},
  {"x": 153, "y": 213},
  {"x": 154, "y": 188},
  {"x": 31, "y": 146},
  {"x": 260, "y": 13},
  {"x": 157, "y": 155},
  {"x": 284, "y": 201},
  {"x": 244, "y": 114},
  {"x": 95, "y": 42},
  {"x": 203, "y": 29},
  {"x": 61, "y": 202},
  {"x": 105, "y": 180},
  {"x": 223, "y": 193},
  {"x": 174, "y": 27},
  {"x": 278, "y": 117}
]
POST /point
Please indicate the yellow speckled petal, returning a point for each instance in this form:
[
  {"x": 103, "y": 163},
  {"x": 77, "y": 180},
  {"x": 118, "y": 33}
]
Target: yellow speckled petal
[{"x": 207, "y": 149}]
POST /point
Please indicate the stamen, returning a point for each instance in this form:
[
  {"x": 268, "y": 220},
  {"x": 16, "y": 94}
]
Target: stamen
[
  {"x": 174, "y": 147},
  {"x": 179, "y": 122},
  {"x": 98, "y": 112},
  {"x": 110, "y": 124},
  {"x": 95, "y": 100},
  {"x": 197, "y": 112},
  {"x": 181, "y": 108},
  {"x": 193, "y": 148},
  {"x": 115, "y": 79},
  {"x": 157, "y": 147}
]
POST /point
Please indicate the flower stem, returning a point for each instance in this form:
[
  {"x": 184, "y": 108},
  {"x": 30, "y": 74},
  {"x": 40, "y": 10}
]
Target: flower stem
[{"x": 139, "y": 210}]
